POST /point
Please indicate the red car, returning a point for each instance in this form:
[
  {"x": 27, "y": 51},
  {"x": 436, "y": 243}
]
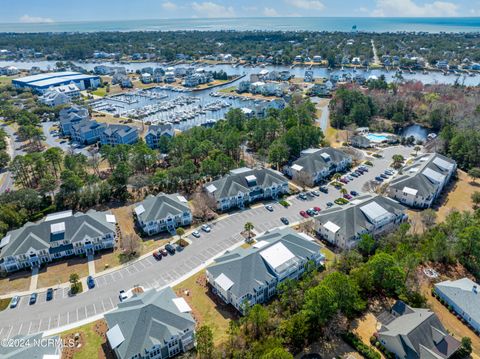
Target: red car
[
  {"x": 318, "y": 209},
  {"x": 157, "y": 255},
  {"x": 304, "y": 214},
  {"x": 347, "y": 196}
]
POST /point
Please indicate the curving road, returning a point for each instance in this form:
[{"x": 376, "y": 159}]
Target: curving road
[{"x": 64, "y": 310}]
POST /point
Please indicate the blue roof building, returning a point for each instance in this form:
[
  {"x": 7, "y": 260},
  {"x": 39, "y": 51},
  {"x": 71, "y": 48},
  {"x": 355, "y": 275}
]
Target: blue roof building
[{"x": 42, "y": 82}]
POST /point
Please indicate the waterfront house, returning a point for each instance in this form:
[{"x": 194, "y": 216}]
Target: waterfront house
[
  {"x": 415, "y": 333},
  {"x": 58, "y": 235},
  {"x": 146, "y": 78},
  {"x": 463, "y": 297},
  {"x": 153, "y": 324},
  {"x": 163, "y": 212},
  {"x": 244, "y": 277},
  {"x": 245, "y": 185},
  {"x": 119, "y": 134},
  {"x": 155, "y": 132},
  {"x": 54, "y": 98},
  {"x": 343, "y": 226},
  {"x": 422, "y": 181},
  {"x": 71, "y": 115},
  {"x": 317, "y": 164}
]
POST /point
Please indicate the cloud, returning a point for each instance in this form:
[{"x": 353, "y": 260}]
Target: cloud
[
  {"x": 211, "y": 9},
  {"x": 270, "y": 11},
  {"x": 410, "y": 8},
  {"x": 35, "y": 19},
  {"x": 306, "y": 4},
  {"x": 168, "y": 5}
]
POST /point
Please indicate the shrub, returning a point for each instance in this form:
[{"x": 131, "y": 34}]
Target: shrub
[
  {"x": 359, "y": 346},
  {"x": 284, "y": 203}
]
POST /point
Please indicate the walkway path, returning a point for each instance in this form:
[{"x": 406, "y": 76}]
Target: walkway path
[
  {"x": 34, "y": 279},
  {"x": 91, "y": 265}
]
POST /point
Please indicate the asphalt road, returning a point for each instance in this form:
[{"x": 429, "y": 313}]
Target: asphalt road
[
  {"x": 7, "y": 182},
  {"x": 147, "y": 272}
]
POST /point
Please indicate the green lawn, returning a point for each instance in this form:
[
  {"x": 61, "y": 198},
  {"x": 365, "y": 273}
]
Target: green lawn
[
  {"x": 4, "y": 81},
  {"x": 4, "y": 303},
  {"x": 228, "y": 89},
  {"x": 93, "y": 341},
  {"x": 101, "y": 91}
]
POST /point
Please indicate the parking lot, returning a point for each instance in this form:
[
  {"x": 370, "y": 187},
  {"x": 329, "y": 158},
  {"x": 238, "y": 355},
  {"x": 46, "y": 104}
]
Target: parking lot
[{"x": 150, "y": 273}]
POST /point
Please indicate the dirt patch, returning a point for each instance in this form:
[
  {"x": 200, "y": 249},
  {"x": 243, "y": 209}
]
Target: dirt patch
[
  {"x": 15, "y": 282},
  {"x": 59, "y": 272},
  {"x": 124, "y": 217}
]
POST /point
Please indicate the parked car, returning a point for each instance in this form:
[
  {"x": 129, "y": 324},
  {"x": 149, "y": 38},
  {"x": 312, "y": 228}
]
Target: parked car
[
  {"x": 269, "y": 208},
  {"x": 323, "y": 189},
  {"x": 157, "y": 255},
  {"x": 318, "y": 209},
  {"x": 302, "y": 196},
  {"x": 354, "y": 193},
  {"x": 170, "y": 249},
  {"x": 347, "y": 196},
  {"x": 329, "y": 204},
  {"x": 350, "y": 177},
  {"x": 33, "y": 298},
  {"x": 310, "y": 194},
  {"x": 311, "y": 212},
  {"x": 316, "y": 193},
  {"x": 304, "y": 214},
  {"x": 163, "y": 252},
  {"x": 90, "y": 282},
  {"x": 206, "y": 228},
  {"x": 379, "y": 179},
  {"x": 284, "y": 220},
  {"x": 353, "y": 174},
  {"x": 14, "y": 301},
  {"x": 179, "y": 248},
  {"x": 49, "y": 295},
  {"x": 383, "y": 175},
  {"x": 196, "y": 234},
  {"x": 122, "y": 295}
]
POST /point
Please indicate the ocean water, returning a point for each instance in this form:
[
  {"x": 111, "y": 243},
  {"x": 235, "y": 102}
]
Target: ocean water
[{"x": 433, "y": 25}]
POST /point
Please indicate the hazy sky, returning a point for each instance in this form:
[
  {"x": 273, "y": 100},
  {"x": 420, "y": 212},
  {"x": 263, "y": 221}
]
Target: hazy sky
[{"x": 82, "y": 10}]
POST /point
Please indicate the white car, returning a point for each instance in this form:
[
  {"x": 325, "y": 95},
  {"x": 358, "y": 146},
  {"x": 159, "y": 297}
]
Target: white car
[
  {"x": 122, "y": 296},
  {"x": 206, "y": 228},
  {"x": 196, "y": 234},
  {"x": 269, "y": 208}
]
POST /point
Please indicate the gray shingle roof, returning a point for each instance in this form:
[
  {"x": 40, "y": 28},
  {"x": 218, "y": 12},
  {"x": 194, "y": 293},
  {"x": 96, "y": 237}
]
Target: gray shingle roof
[
  {"x": 161, "y": 206},
  {"x": 360, "y": 140},
  {"x": 414, "y": 177},
  {"x": 351, "y": 219},
  {"x": 247, "y": 269},
  {"x": 462, "y": 294},
  {"x": 120, "y": 130},
  {"x": 39, "y": 235},
  {"x": 235, "y": 182},
  {"x": 314, "y": 162},
  {"x": 86, "y": 126},
  {"x": 30, "y": 350},
  {"x": 157, "y": 130},
  {"x": 146, "y": 320},
  {"x": 420, "y": 334}
]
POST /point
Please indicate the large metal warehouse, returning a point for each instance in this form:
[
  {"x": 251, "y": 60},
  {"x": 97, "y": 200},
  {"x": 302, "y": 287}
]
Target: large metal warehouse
[{"x": 42, "y": 82}]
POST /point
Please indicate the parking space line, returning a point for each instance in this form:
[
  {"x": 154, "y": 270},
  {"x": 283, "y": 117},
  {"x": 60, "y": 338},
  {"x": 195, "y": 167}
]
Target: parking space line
[
  {"x": 86, "y": 316},
  {"x": 141, "y": 264},
  {"x": 68, "y": 318},
  {"x": 20, "y": 328},
  {"x": 49, "y": 322},
  {"x": 30, "y": 327},
  {"x": 10, "y": 332},
  {"x": 111, "y": 302}
]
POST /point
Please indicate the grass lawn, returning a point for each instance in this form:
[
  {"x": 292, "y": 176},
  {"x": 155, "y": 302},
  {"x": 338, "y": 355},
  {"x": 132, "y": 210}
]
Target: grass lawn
[
  {"x": 4, "y": 81},
  {"x": 4, "y": 303},
  {"x": 101, "y": 91},
  {"x": 59, "y": 272},
  {"x": 91, "y": 339},
  {"x": 15, "y": 282},
  {"x": 206, "y": 309},
  {"x": 228, "y": 89},
  {"x": 329, "y": 256}
]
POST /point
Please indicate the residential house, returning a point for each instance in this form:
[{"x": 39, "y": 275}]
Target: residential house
[
  {"x": 244, "y": 277},
  {"x": 71, "y": 115},
  {"x": 169, "y": 77},
  {"x": 245, "y": 185},
  {"x": 153, "y": 325},
  {"x": 58, "y": 235},
  {"x": 317, "y": 58},
  {"x": 155, "y": 132},
  {"x": 119, "y": 134},
  {"x": 343, "y": 226},
  {"x": 31, "y": 346},
  {"x": 87, "y": 131},
  {"x": 54, "y": 98},
  {"x": 308, "y": 77},
  {"x": 423, "y": 181},
  {"x": 146, "y": 78},
  {"x": 415, "y": 333},
  {"x": 360, "y": 141},
  {"x": 462, "y": 295},
  {"x": 317, "y": 164},
  {"x": 164, "y": 212},
  {"x": 243, "y": 86}
]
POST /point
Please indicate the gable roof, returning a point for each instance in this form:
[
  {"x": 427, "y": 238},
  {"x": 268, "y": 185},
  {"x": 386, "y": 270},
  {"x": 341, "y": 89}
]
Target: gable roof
[
  {"x": 161, "y": 206},
  {"x": 236, "y": 181},
  {"x": 119, "y": 130},
  {"x": 316, "y": 161},
  {"x": 419, "y": 331},
  {"x": 424, "y": 174},
  {"x": 242, "y": 270},
  {"x": 40, "y": 235},
  {"x": 161, "y": 129},
  {"x": 147, "y": 319}
]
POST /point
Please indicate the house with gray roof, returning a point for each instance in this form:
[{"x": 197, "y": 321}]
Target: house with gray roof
[
  {"x": 246, "y": 185},
  {"x": 343, "y": 226},
  {"x": 71, "y": 115},
  {"x": 360, "y": 141},
  {"x": 34, "y": 346},
  {"x": 164, "y": 212},
  {"x": 119, "y": 134},
  {"x": 86, "y": 131},
  {"x": 415, "y": 333},
  {"x": 316, "y": 164},
  {"x": 155, "y": 132},
  {"x": 58, "y": 235},
  {"x": 422, "y": 182},
  {"x": 54, "y": 98},
  {"x": 462, "y": 295},
  {"x": 247, "y": 276},
  {"x": 152, "y": 324}
]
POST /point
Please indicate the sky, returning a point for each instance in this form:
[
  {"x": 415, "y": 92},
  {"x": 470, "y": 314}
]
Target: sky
[{"x": 49, "y": 11}]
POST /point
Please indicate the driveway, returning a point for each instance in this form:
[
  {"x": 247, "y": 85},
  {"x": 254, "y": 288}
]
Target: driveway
[
  {"x": 64, "y": 310},
  {"x": 7, "y": 181},
  {"x": 53, "y": 140}
]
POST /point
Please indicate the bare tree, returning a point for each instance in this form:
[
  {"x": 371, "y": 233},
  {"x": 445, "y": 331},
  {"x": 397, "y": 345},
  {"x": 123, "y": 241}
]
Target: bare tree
[
  {"x": 307, "y": 226},
  {"x": 130, "y": 244},
  {"x": 205, "y": 206},
  {"x": 370, "y": 186},
  {"x": 428, "y": 218},
  {"x": 303, "y": 179}
]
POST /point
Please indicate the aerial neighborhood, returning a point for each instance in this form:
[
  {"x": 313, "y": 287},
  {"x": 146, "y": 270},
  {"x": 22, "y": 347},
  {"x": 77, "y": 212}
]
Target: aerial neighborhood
[{"x": 239, "y": 194}]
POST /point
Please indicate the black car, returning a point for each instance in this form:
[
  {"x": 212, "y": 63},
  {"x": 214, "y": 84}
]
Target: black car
[
  {"x": 284, "y": 220},
  {"x": 170, "y": 249},
  {"x": 49, "y": 294},
  {"x": 323, "y": 189}
]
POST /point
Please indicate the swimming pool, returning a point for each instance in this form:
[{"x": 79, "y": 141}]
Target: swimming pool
[{"x": 376, "y": 138}]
